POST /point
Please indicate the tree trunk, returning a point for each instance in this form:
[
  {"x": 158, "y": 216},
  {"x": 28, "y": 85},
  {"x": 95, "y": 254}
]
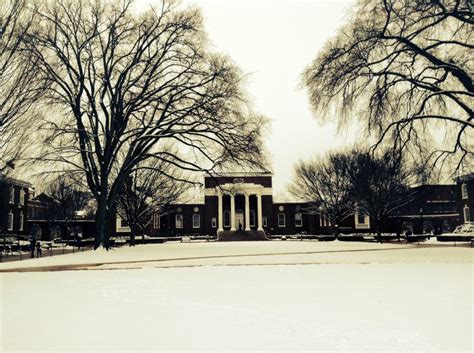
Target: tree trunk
[
  {"x": 102, "y": 219},
  {"x": 336, "y": 232},
  {"x": 133, "y": 234},
  {"x": 378, "y": 231}
]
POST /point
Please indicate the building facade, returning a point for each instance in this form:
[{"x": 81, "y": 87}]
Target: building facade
[
  {"x": 236, "y": 202},
  {"x": 14, "y": 198}
]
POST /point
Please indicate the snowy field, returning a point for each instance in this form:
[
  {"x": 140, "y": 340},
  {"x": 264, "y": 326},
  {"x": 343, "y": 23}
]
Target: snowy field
[{"x": 259, "y": 296}]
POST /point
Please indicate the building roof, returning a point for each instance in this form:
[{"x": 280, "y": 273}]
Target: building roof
[
  {"x": 465, "y": 177},
  {"x": 14, "y": 181}
]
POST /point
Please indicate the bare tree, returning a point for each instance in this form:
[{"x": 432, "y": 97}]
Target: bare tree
[
  {"x": 67, "y": 200},
  {"x": 129, "y": 83},
  {"x": 379, "y": 184},
  {"x": 146, "y": 194},
  {"x": 324, "y": 187},
  {"x": 19, "y": 87},
  {"x": 404, "y": 67}
]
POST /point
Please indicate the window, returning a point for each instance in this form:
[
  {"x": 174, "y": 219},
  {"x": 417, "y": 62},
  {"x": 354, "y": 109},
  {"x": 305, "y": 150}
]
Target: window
[
  {"x": 213, "y": 222},
  {"x": 21, "y": 222},
  {"x": 10, "y": 221},
  {"x": 22, "y": 197},
  {"x": 362, "y": 220},
  {"x": 281, "y": 220},
  {"x": 467, "y": 215},
  {"x": 265, "y": 222},
  {"x": 179, "y": 221},
  {"x": 156, "y": 221},
  {"x": 226, "y": 219},
  {"x": 298, "y": 219},
  {"x": 12, "y": 194},
  {"x": 252, "y": 218},
  {"x": 464, "y": 191},
  {"x": 196, "y": 221}
]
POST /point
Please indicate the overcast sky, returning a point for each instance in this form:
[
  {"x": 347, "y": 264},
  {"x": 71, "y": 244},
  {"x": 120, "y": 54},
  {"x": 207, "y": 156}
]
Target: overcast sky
[{"x": 273, "y": 41}]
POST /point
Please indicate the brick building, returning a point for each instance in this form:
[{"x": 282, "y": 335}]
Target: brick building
[
  {"x": 14, "y": 197},
  {"x": 241, "y": 205}
]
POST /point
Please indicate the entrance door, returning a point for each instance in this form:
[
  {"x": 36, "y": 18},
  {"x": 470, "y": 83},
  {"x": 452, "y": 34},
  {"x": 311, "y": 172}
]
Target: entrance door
[{"x": 239, "y": 220}]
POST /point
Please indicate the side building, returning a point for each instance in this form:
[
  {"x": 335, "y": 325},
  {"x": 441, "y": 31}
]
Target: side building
[{"x": 14, "y": 197}]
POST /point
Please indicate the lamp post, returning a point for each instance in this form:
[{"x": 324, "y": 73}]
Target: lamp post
[{"x": 421, "y": 221}]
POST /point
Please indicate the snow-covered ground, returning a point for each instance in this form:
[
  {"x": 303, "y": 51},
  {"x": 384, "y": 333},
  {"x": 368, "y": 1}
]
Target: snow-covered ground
[{"x": 194, "y": 297}]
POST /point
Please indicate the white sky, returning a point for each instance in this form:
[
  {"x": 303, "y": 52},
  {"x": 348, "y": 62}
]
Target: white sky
[{"x": 273, "y": 41}]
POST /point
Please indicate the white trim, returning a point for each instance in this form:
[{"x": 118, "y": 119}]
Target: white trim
[
  {"x": 284, "y": 220},
  {"x": 238, "y": 174},
  {"x": 239, "y": 189},
  {"x": 365, "y": 225},
  {"x": 118, "y": 226}
]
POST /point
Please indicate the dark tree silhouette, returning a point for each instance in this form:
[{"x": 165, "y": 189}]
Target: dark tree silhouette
[
  {"x": 404, "y": 68},
  {"x": 128, "y": 83},
  {"x": 19, "y": 87},
  {"x": 380, "y": 183},
  {"x": 67, "y": 200},
  {"x": 146, "y": 194},
  {"x": 324, "y": 187}
]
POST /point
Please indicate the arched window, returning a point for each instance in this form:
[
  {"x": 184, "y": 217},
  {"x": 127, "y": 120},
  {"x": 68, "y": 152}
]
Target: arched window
[
  {"x": 226, "y": 219},
  {"x": 196, "y": 220},
  {"x": 298, "y": 219},
  {"x": 179, "y": 221},
  {"x": 252, "y": 218}
]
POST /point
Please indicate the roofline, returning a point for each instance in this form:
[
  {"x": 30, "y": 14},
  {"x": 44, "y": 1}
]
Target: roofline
[
  {"x": 238, "y": 174},
  {"x": 16, "y": 182},
  {"x": 465, "y": 177}
]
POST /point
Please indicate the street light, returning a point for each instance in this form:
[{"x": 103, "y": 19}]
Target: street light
[{"x": 421, "y": 221}]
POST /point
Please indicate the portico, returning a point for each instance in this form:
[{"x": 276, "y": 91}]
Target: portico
[
  {"x": 240, "y": 203},
  {"x": 247, "y": 191}
]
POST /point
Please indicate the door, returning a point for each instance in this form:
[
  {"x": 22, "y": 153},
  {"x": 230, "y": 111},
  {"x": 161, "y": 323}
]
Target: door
[{"x": 239, "y": 220}]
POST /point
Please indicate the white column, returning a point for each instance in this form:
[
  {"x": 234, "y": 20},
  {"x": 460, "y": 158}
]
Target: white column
[
  {"x": 247, "y": 212},
  {"x": 259, "y": 211},
  {"x": 232, "y": 212},
  {"x": 219, "y": 212}
]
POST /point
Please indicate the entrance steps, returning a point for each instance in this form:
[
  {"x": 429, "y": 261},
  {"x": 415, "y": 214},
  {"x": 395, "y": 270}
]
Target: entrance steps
[{"x": 241, "y": 235}]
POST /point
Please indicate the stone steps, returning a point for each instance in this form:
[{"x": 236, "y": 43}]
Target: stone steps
[{"x": 241, "y": 235}]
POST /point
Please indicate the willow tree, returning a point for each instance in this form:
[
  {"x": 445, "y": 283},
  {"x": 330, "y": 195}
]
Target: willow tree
[
  {"x": 404, "y": 68},
  {"x": 128, "y": 83}
]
